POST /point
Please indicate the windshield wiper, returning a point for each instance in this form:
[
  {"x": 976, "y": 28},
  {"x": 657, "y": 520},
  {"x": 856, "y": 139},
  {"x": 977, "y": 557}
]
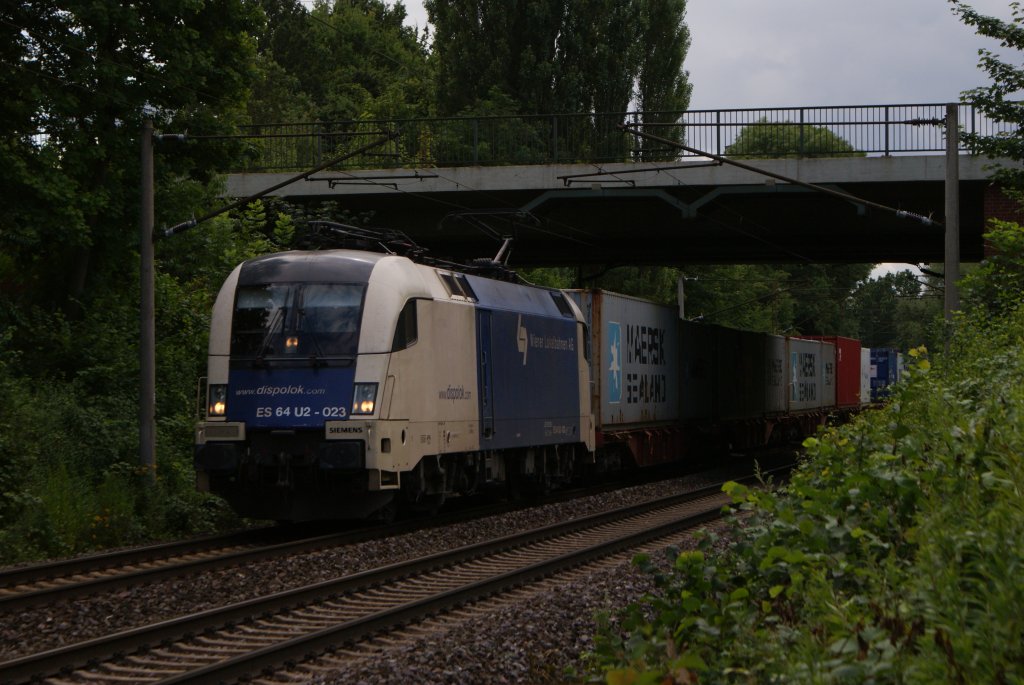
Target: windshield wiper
[
  {"x": 260, "y": 361},
  {"x": 317, "y": 353}
]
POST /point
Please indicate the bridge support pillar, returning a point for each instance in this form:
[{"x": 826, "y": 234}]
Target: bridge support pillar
[{"x": 952, "y": 251}]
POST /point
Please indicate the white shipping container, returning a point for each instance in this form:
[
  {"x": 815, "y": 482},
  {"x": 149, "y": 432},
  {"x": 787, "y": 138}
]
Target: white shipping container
[
  {"x": 634, "y": 358},
  {"x": 806, "y": 388},
  {"x": 828, "y": 374},
  {"x": 866, "y": 373}
]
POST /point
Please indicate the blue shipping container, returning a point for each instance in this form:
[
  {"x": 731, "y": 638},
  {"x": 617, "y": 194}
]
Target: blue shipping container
[{"x": 884, "y": 371}]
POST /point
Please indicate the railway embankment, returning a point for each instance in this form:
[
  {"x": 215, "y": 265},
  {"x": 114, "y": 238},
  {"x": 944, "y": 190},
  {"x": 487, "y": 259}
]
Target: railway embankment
[{"x": 893, "y": 555}]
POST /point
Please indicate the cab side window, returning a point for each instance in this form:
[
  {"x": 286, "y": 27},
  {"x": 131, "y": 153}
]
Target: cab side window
[{"x": 405, "y": 331}]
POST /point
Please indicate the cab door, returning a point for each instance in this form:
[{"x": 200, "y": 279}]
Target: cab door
[{"x": 486, "y": 389}]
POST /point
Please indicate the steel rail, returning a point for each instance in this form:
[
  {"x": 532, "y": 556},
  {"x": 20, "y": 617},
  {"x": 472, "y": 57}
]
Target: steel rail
[
  {"x": 63, "y": 659},
  {"x": 55, "y": 581},
  {"x": 302, "y": 647},
  {"x": 173, "y": 567},
  {"x": 55, "y": 571}
]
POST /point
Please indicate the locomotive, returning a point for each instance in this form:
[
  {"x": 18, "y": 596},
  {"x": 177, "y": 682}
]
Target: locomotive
[
  {"x": 351, "y": 384},
  {"x": 345, "y": 383}
]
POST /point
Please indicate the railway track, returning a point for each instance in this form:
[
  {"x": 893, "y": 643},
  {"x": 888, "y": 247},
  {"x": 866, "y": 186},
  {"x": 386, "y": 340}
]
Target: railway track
[
  {"x": 249, "y": 637},
  {"x": 39, "y": 584},
  {"x": 26, "y": 586},
  {"x": 46, "y": 583}
]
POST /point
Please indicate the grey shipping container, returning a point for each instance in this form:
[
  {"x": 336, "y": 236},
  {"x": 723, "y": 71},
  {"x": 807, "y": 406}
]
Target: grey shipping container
[
  {"x": 828, "y": 374},
  {"x": 634, "y": 358},
  {"x": 865, "y": 375}
]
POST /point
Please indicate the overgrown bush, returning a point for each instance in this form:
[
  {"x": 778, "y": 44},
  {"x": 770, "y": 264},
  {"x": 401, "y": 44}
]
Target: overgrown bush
[
  {"x": 70, "y": 480},
  {"x": 69, "y": 475},
  {"x": 894, "y": 554}
]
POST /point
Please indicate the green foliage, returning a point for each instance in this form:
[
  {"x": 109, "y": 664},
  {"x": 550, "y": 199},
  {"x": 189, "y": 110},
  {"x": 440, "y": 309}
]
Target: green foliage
[
  {"x": 767, "y": 139},
  {"x": 745, "y": 296},
  {"x": 1000, "y": 99},
  {"x": 787, "y": 299},
  {"x": 338, "y": 61},
  {"x": 486, "y": 134},
  {"x": 586, "y": 56},
  {"x": 68, "y": 427},
  {"x": 563, "y": 277},
  {"x": 895, "y": 310},
  {"x": 892, "y": 555},
  {"x": 656, "y": 284},
  {"x": 89, "y": 73},
  {"x": 15, "y": 462},
  {"x": 998, "y": 281},
  {"x": 822, "y": 295}
]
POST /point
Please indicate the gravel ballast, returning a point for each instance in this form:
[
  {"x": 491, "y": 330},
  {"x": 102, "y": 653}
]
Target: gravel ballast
[{"x": 531, "y": 637}]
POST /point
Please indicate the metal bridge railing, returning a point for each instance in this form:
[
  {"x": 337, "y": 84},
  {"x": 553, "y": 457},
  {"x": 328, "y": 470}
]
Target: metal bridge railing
[{"x": 579, "y": 138}]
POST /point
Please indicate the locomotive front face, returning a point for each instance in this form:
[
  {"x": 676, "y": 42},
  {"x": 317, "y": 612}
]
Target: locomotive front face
[
  {"x": 293, "y": 352},
  {"x": 282, "y": 437}
]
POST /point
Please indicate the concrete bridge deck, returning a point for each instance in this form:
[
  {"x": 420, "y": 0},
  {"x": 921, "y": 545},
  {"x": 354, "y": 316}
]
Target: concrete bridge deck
[{"x": 688, "y": 211}]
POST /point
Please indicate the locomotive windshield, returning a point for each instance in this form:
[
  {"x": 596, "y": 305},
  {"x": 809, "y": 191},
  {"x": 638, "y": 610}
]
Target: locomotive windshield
[{"x": 296, "y": 320}]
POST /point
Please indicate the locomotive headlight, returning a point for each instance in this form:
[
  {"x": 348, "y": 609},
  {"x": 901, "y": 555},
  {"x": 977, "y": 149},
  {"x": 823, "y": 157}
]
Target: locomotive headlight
[
  {"x": 217, "y": 402},
  {"x": 364, "y": 397}
]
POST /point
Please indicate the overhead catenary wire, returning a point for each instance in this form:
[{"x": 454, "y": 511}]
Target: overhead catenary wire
[
  {"x": 927, "y": 220},
  {"x": 385, "y": 137}
]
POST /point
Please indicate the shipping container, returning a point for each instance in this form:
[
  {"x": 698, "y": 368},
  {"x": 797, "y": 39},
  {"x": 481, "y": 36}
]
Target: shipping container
[
  {"x": 634, "y": 359},
  {"x": 884, "y": 365},
  {"x": 865, "y": 375},
  {"x": 805, "y": 374},
  {"x": 828, "y": 375},
  {"x": 776, "y": 387},
  {"x": 847, "y": 370},
  {"x": 741, "y": 382},
  {"x": 697, "y": 383}
]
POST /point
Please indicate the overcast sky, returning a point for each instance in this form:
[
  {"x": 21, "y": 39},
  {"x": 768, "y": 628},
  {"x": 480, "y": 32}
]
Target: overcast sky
[
  {"x": 803, "y": 53},
  {"x": 792, "y": 53}
]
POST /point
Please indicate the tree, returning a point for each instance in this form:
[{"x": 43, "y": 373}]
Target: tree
[
  {"x": 766, "y": 139},
  {"x": 550, "y": 56},
  {"x": 752, "y": 297},
  {"x": 822, "y": 296},
  {"x": 995, "y": 100},
  {"x": 510, "y": 46},
  {"x": 80, "y": 77},
  {"x": 894, "y": 310},
  {"x": 995, "y": 287},
  {"x": 339, "y": 61},
  {"x": 656, "y": 284},
  {"x": 664, "y": 88}
]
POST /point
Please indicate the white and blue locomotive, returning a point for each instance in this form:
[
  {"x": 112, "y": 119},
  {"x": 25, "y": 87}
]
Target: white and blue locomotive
[{"x": 345, "y": 384}]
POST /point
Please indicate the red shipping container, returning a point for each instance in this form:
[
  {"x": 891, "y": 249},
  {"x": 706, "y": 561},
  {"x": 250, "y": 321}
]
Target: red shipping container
[{"x": 847, "y": 368}]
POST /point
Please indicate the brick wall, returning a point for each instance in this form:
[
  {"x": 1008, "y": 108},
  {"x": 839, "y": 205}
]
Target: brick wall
[{"x": 999, "y": 206}]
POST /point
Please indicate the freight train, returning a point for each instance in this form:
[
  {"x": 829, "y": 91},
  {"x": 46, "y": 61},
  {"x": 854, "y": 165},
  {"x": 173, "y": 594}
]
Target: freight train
[{"x": 351, "y": 384}]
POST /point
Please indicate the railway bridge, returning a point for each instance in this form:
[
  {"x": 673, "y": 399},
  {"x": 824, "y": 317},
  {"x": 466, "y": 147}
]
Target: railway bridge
[{"x": 817, "y": 184}]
